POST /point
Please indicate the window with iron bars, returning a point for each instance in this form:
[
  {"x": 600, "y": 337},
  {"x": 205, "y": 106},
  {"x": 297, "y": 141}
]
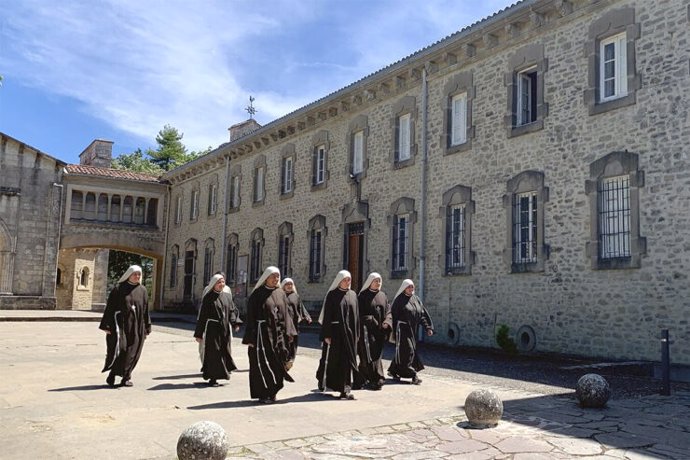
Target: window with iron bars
[
  {"x": 208, "y": 262},
  {"x": 284, "y": 255},
  {"x": 231, "y": 267},
  {"x": 614, "y": 217},
  {"x": 400, "y": 243},
  {"x": 255, "y": 271},
  {"x": 455, "y": 238},
  {"x": 315, "y": 250},
  {"x": 525, "y": 228}
]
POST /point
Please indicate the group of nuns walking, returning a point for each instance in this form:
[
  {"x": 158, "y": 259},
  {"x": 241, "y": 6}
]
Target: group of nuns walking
[{"x": 354, "y": 330}]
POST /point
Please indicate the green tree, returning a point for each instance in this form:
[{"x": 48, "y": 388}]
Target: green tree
[
  {"x": 119, "y": 262},
  {"x": 171, "y": 152},
  {"x": 136, "y": 161}
]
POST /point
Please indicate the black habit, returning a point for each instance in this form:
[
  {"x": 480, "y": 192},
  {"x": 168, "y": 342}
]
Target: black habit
[
  {"x": 298, "y": 313},
  {"x": 341, "y": 325},
  {"x": 408, "y": 313},
  {"x": 217, "y": 317},
  {"x": 126, "y": 317},
  {"x": 269, "y": 329},
  {"x": 374, "y": 313}
]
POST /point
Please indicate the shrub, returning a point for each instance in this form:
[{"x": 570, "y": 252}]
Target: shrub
[{"x": 504, "y": 340}]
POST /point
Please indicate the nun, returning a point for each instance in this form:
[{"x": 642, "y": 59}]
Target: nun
[
  {"x": 126, "y": 322},
  {"x": 268, "y": 332},
  {"x": 218, "y": 317},
  {"x": 297, "y": 313},
  {"x": 408, "y": 314},
  {"x": 339, "y": 320},
  {"x": 375, "y": 317}
]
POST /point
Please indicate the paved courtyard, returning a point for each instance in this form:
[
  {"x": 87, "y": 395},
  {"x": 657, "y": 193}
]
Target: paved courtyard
[{"x": 54, "y": 404}]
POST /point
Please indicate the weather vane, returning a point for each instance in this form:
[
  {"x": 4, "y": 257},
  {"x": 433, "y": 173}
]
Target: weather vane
[{"x": 250, "y": 108}]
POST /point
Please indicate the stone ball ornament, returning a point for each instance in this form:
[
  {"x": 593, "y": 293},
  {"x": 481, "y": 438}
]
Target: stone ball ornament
[
  {"x": 592, "y": 390},
  {"x": 483, "y": 408},
  {"x": 203, "y": 440}
]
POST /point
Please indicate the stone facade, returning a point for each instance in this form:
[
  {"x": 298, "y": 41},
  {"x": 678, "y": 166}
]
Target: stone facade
[
  {"x": 530, "y": 170},
  {"x": 30, "y": 194}
]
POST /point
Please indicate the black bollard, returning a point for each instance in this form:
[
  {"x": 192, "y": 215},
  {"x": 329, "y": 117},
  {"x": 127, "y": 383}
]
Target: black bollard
[{"x": 665, "y": 364}]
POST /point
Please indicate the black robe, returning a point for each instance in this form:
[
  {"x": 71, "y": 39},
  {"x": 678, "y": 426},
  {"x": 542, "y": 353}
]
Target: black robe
[
  {"x": 127, "y": 318},
  {"x": 408, "y": 313},
  {"x": 298, "y": 313},
  {"x": 268, "y": 329},
  {"x": 217, "y": 316},
  {"x": 341, "y": 325},
  {"x": 374, "y": 312}
]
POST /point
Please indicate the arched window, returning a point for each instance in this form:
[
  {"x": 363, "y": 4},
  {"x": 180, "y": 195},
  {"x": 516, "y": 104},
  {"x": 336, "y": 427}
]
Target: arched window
[
  {"x": 139, "y": 210},
  {"x": 90, "y": 206},
  {"x": 127, "y": 209},
  {"x": 102, "y": 207},
  {"x": 77, "y": 205},
  {"x": 257, "y": 247},
  {"x": 115, "y": 206},
  {"x": 84, "y": 277}
]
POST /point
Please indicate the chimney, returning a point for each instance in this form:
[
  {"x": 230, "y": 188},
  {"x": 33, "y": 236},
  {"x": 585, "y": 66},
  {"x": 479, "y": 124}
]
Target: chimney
[
  {"x": 242, "y": 129},
  {"x": 99, "y": 153}
]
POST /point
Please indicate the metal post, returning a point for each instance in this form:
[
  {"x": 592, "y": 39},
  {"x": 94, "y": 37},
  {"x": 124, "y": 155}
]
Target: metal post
[{"x": 665, "y": 364}]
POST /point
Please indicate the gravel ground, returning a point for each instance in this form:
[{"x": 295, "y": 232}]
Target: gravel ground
[{"x": 544, "y": 374}]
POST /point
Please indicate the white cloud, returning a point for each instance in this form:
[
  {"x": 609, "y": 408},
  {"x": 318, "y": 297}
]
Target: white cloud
[{"x": 141, "y": 65}]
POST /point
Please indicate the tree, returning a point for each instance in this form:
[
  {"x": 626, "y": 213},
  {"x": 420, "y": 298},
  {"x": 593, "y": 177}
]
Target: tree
[
  {"x": 119, "y": 262},
  {"x": 136, "y": 161},
  {"x": 171, "y": 151}
]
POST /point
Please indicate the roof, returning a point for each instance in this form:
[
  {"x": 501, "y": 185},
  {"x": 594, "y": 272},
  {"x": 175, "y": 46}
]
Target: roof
[
  {"x": 85, "y": 170},
  {"x": 57, "y": 161}
]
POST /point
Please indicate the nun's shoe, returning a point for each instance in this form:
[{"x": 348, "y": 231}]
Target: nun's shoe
[
  {"x": 213, "y": 383},
  {"x": 346, "y": 395},
  {"x": 127, "y": 383},
  {"x": 110, "y": 380},
  {"x": 416, "y": 380}
]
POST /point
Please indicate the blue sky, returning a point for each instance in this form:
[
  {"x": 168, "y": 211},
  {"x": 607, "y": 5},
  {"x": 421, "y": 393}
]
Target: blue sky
[{"x": 78, "y": 70}]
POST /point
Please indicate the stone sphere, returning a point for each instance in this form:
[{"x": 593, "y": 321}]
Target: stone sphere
[
  {"x": 203, "y": 440},
  {"x": 592, "y": 390},
  {"x": 483, "y": 408}
]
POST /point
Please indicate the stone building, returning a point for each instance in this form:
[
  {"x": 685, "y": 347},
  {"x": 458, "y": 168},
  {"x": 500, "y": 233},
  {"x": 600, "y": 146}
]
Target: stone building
[
  {"x": 31, "y": 193},
  {"x": 530, "y": 170}
]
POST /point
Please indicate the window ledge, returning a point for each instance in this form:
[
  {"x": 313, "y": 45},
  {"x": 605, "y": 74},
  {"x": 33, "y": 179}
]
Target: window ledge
[
  {"x": 612, "y": 104},
  {"x": 526, "y": 128}
]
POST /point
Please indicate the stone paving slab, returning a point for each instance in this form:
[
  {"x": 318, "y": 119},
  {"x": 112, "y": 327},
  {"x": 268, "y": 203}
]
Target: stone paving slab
[{"x": 54, "y": 404}]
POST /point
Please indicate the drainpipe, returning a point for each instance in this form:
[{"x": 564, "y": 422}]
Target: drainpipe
[
  {"x": 423, "y": 211},
  {"x": 165, "y": 247},
  {"x": 223, "y": 250},
  {"x": 59, "y": 234}
]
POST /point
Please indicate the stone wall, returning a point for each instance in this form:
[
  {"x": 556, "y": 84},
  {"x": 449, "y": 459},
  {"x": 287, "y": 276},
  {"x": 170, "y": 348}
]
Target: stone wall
[
  {"x": 567, "y": 302},
  {"x": 30, "y": 208}
]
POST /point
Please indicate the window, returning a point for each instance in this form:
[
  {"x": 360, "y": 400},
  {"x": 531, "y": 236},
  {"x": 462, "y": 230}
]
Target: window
[
  {"x": 357, "y": 133},
  {"x": 90, "y": 206},
  {"x": 315, "y": 243},
  {"x": 610, "y": 49},
  {"x": 401, "y": 219},
  {"x": 212, "y": 199},
  {"x": 525, "y": 84},
  {"x": 257, "y": 245},
  {"x": 614, "y": 217},
  {"x": 178, "y": 210},
  {"x": 231, "y": 259},
  {"x": 613, "y": 75},
  {"x": 527, "y": 96},
  {"x": 458, "y": 120},
  {"x": 457, "y": 211},
  {"x": 404, "y": 129},
  {"x": 139, "y": 210},
  {"x": 77, "y": 205},
  {"x": 317, "y": 233},
  {"x": 174, "y": 257},
  {"x": 259, "y": 184},
  {"x": 319, "y": 165},
  {"x": 358, "y": 152},
  {"x": 400, "y": 243},
  {"x": 456, "y": 104},
  {"x": 286, "y": 179},
  {"x": 209, "y": 253},
  {"x": 285, "y": 248},
  {"x": 526, "y": 250},
  {"x": 84, "y": 277},
  {"x": 455, "y": 238},
  {"x": 524, "y": 228},
  {"x": 115, "y": 208},
  {"x": 235, "y": 192},
  {"x": 194, "y": 208},
  {"x": 614, "y": 197},
  {"x": 58, "y": 277},
  {"x": 403, "y": 120}
]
